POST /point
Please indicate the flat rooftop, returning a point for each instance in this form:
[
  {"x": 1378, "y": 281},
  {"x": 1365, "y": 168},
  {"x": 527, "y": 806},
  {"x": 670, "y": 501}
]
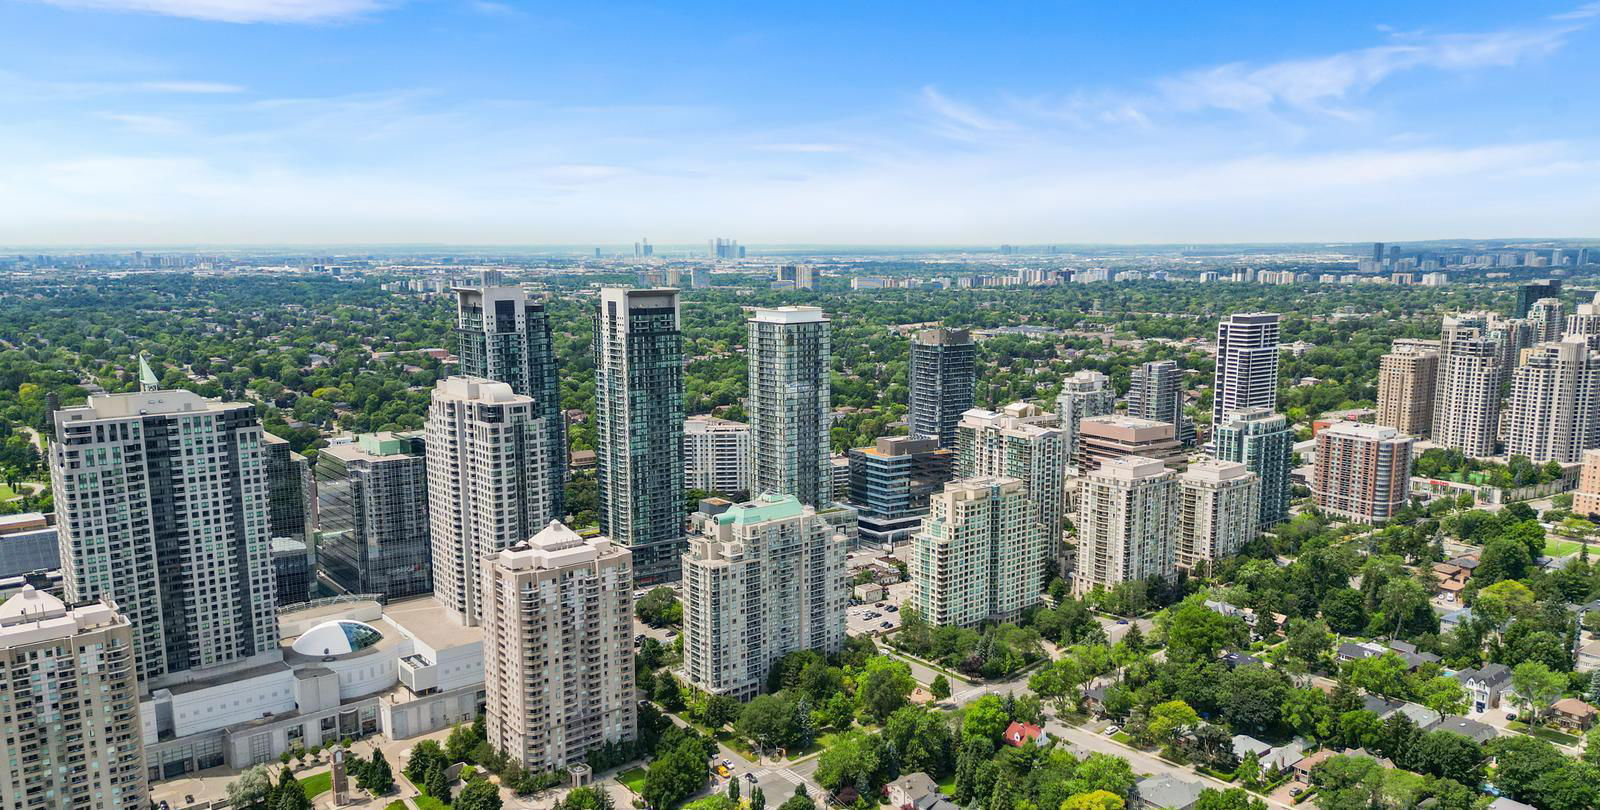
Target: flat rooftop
[{"x": 431, "y": 622}]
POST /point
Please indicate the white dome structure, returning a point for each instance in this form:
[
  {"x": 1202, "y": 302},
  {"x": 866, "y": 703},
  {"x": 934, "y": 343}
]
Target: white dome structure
[{"x": 337, "y": 637}]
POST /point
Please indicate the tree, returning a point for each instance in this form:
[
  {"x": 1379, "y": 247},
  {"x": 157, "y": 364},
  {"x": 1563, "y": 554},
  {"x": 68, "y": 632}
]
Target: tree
[
  {"x": 293, "y": 800},
  {"x": 439, "y": 783},
  {"x": 798, "y": 802},
  {"x": 1059, "y": 682},
  {"x": 423, "y": 756},
  {"x": 920, "y": 740},
  {"x": 1381, "y": 675},
  {"x": 479, "y": 794},
  {"x": 458, "y": 746},
  {"x": 768, "y": 721},
  {"x": 985, "y": 720},
  {"x": 287, "y": 786},
  {"x": 1306, "y": 711},
  {"x": 1229, "y": 799},
  {"x": 1094, "y": 800},
  {"x": 1443, "y": 695},
  {"x": 758, "y": 799},
  {"x": 586, "y": 798},
  {"x": 1171, "y": 719},
  {"x": 1520, "y": 761},
  {"x": 376, "y": 778},
  {"x": 1249, "y": 770},
  {"x": 883, "y": 687},
  {"x": 940, "y": 688},
  {"x": 1308, "y": 644},
  {"x": 1102, "y": 772},
  {"x": 1197, "y": 633},
  {"x": 733, "y": 790},
  {"x": 1535, "y": 688},
  {"x": 253, "y": 790},
  {"x": 855, "y": 759},
  {"x": 1448, "y": 755},
  {"x": 1003, "y": 796},
  {"x": 1359, "y": 729},
  {"x": 1252, "y": 697},
  {"x": 676, "y": 774},
  {"x": 659, "y": 607}
]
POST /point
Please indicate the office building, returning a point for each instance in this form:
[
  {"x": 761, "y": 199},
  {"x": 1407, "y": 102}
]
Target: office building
[
  {"x": 29, "y": 544},
  {"x": 1547, "y": 320},
  {"x": 720, "y": 248},
  {"x": 789, "y": 350},
  {"x": 767, "y": 578},
  {"x": 1021, "y": 442},
  {"x": 1264, "y": 443},
  {"x": 891, "y": 481},
  {"x": 161, "y": 499},
  {"x": 1127, "y": 515},
  {"x": 1101, "y": 438},
  {"x": 1466, "y": 404},
  {"x": 700, "y": 278},
  {"x": 1247, "y": 364},
  {"x": 558, "y": 648},
  {"x": 372, "y": 507},
  {"x": 639, "y": 457},
  {"x": 942, "y": 377},
  {"x": 1406, "y": 376},
  {"x": 980, "y": 555},
  {"x": 1219, "y": 510},
  {"x": 70, "y": 711},
  {"x": 485, "y": 446},
  {"x": 504, "y": 336},
  {"x": 1083, "y": 394},
  {"x": 716, "y": 455},
  {"x": 1528, "y": 293},
  {"x": 1362, "y": 472},
  {"x": 1157, "y": 393},
  {"x": 1554, "y": 414},
  {"x": 802, "y": 276},
  {"x": 291, "y": 504}
]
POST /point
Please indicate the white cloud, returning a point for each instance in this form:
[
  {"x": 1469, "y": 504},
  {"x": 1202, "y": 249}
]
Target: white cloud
[
  {"x": 236, "y": 11},
  {"x": 145, "y": 124},
  {"x": 1583, "y": 12},
  {"x": 803, "y": 148}
]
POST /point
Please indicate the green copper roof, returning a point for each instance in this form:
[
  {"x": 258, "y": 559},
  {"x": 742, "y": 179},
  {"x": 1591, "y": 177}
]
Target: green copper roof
[
  {"x": 767, "y": 506},
  {"x": 147, "y": 377}
]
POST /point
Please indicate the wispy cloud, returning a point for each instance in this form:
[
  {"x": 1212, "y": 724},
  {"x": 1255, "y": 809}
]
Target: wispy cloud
[
  {"x": 803, "y": 148},
  {"x": 1583, "y": 12},
  {"x": 236, "y": 11},
  {"x": 145, "y": 124},
  {"x": 958, "y": 120},
  {"x": 191, "y": 87}
]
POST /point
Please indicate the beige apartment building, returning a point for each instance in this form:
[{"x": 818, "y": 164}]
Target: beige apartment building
[
  {"x": 70, "y": 711},
  {"x": 1586, "y": 499},
  {"x": 979, "y": 554},
  {"x": 766, "y": 578},
  {"x": 558, "y": 647},
  {"x": 1406, "y": 377},
  {"x": 1101, "y": 438},
  {"x": 1219, "y": 510},
  {"x": 1555, "y": 393},
  {"x": 1019, "y": 441},
  {"x": 1127, "y": 514}
]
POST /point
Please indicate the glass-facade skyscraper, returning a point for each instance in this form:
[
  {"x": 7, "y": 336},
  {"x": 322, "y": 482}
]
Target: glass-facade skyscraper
[
  {"x": 503, "y": 336},
  {"x": 943, "y": 375},
  {"x": 373, "y": 509},
  {"x": 1263, "y": 442},
  {"x": 638, "y": 368},
  {"x": 789, "y": 353}
]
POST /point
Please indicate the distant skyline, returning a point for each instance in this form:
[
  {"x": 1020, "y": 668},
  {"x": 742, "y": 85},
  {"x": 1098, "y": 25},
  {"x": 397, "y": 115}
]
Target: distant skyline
[{"x": 475, "y": 122}]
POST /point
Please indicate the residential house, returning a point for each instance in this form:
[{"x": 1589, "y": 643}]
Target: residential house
[
  {"x": 1020, "y": 734},
  {"x": 1471, "y": 729},
  {"x": 1094, "y": 701},
  {"x": 1167, "y": 792},
  {"x": 1450, "y": 579},
  {"x": 1503, "y": 803},
  {"x": 1485, "y": 685},
  {"x": 905, "y": 792},
  {"x": 1454, "y": 619},
  {"x": 1234, "y": 660},
  {"x": 1273, "y": 759},
  {"x": 1573, "y": 714},
  {"x": 1302, "y": 769},
  {"x": 1424, "y": 717}
]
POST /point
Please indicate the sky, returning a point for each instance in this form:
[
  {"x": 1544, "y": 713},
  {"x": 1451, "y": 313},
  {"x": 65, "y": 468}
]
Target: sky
[{"x": 497, "y": 122}]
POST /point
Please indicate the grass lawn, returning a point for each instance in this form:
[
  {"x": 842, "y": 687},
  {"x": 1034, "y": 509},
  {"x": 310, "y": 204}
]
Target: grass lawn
[
  {"x": 1122, "y": 737},
  {"x": 7, "y": 493},
  {"x": 1561, "y": 548},
  {"x": 947, "y": 785},
  {"x": 397, "y": 804},
  {"x": 737, "y": 743},
  {"x": 633, "y": 779},
  {"x": 1546, "y": 734},
  {"x": 426, "y": 802},
  {"x": 317, "y": 785}
]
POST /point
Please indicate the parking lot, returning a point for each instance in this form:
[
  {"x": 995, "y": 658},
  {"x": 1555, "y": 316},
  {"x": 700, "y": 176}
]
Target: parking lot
[{"x": 870, "y": 618}]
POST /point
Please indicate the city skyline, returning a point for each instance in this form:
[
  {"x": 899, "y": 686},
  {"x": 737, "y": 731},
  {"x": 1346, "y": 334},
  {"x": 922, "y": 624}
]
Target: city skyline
[{"x": 492, "y": 123}]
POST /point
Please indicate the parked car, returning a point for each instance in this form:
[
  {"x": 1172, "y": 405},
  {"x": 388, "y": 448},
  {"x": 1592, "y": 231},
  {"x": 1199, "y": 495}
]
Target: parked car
[
  {"x": 885, "y": 624},
  {"x": 893, "y": 608},
  {"x": 1296, "y": 791},
  {"x": 1113, "y": 729}
]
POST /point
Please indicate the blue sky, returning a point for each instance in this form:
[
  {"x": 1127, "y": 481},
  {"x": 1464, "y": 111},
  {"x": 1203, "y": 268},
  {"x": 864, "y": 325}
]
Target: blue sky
[{"x": 502, "y": 122}]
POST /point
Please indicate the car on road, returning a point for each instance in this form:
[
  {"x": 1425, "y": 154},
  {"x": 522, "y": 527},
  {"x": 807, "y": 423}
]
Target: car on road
[
  {"x": 1296, "y": 791},
  {"x": 1122, "y": 621}
]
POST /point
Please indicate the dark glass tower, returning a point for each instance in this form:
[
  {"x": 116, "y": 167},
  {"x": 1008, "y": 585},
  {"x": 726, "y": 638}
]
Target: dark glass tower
[
  {"x": 505, "y": 337},
  {"x": 943, "y": 375}
]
